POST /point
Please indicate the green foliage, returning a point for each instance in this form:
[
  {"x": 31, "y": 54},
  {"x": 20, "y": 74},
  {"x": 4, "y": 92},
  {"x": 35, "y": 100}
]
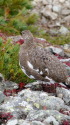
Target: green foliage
[
  {"x": 19, "y": 26},
  {"x": 32, "y": 19},
  {"x": 1, "y": 41},
  {"x": 9, "y": 62},
  {"x": 58, "y": 39},
  {"x": 2, "y": 21},
  {"x": 15, "y": 16}
]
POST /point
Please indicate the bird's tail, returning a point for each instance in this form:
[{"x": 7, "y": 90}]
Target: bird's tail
[{"x": 68, "y": 82}]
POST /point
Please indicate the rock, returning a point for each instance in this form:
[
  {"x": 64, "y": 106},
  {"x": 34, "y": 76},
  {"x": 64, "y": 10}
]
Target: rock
[
  {"x": 49, "y": 14},
  {"x": 53, "y": 32},
  {"x": 34, "y": 3},
  {"x": 63, "y": 30},
  {"x": 66, "y": 47},
  {"x": 2, "y": 96},
  {"x": 12, "y": 122},
  {"x": 68, "y": 70},
  {"x": 44, "y": 21},
  {"x": 34, "y": 86},
  {"x": 25, "y": 123},
  {"x": 65, "y": 94},
  {"x": 49, "y": 101},
  {"x": 57, "y": 8},
  {"x": 67, "y": 4},
  {"x": 50, "y": 120},
  {"x": 60, "y": 95},
  {"x": 49, "y": 7},
  {"x": 56, "y": 50},
  {"x": 2, "y": 83},
  {"x": 1, "y": 78},
  {"x": 10, "y": 85},
  {"x": 67, "y": 18},
  {"x": 36, "y": 123},
  {"x": 41, "y": 114},
  {"x": 53, "y": 10},
  {"x": 65, "y": 12},
  {"x": 36, "y": 98},
  {"x": 44, "y": 2},
  {"x": 61, "y": 1}
]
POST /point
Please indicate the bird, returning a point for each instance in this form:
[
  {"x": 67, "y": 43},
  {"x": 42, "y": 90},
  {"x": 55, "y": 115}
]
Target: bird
[{"x": 39, "y": 64}]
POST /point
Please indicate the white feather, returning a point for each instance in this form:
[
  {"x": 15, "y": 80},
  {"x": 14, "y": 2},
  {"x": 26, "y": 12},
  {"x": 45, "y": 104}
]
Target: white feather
[
  {"x": 30, "y": 65},
  {"x": 41, "y": 73},
  {"x": 32, "y": 77}
]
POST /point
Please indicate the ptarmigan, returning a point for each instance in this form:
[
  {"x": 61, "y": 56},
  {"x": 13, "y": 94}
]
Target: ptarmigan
[{"x": 39, "y": 64}]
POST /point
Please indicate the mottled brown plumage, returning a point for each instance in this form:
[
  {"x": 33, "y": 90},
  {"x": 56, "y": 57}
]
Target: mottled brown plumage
[{"x": 39, "y": 64}]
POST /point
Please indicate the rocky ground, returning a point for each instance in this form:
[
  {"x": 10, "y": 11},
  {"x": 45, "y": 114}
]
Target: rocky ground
[
  {"x": 36, "y": 103},
  {"x": 54, "y": 15}
]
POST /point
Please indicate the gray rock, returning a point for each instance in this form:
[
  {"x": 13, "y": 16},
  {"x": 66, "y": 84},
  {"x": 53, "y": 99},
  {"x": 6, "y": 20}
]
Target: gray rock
[
  {"x": 56, "y": 50},
  {"x": 65, "y": 11},
  {"x": 12, "y": 122},
  {"x": 63, "y": 30},
  {"x": 50, "y": 120},
  {"x": 15, "y": 104},
  {"x": 44, "y": 2},
  {"x": 11, "y": 85},
  {"x": 57, "y": 8},
  {"x": 44, "y": 20},
  {"x": 67, "y": 4},
  {"x": 66, "y": 46},
  {"x": 67, "y": 18},
  {"x": 1, "y": 78},
  {"x": 25, "y": 123},
  {"x": 65, "y": 94},
  {"x": 34, "y": 86},
  {"x": 49, "y": 7},
  {"x": 68, "y": 70},
  {"x": 36, "y": 123},
  {"x": 49, "y": 14},
  {"x": 53, "y": 32},
  {"x": 49, "y": 1},
  {"x": 50, "y": 101},
  {"x": 41, "y": 114},
  {"x": 61, "y": 1},
  {"x": 40, "y": 99},
  {"x": 2, "y": 96},
  {"x": 53, "y": 10}
]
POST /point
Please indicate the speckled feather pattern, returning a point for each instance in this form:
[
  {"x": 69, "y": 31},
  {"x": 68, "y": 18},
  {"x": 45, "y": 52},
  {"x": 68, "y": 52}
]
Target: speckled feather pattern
[{"x": 40, "y": 60}]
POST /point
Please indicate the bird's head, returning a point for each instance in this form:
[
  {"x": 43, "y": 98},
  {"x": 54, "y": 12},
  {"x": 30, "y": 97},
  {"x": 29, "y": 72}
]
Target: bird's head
[{"x": 27, "y": 36}]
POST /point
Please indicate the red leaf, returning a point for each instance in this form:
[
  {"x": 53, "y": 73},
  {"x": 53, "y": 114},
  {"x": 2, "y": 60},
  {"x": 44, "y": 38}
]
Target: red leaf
[{"x": 21, "y": 41}]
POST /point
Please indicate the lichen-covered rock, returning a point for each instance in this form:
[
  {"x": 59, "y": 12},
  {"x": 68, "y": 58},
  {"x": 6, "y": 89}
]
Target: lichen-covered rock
[
  {"x": 41, "y": 114},
  {"x": 2, "y": 96},
  {"x": 12, "y": 122},
  {"x": 50, "y": 120},
  {"x": 65, "y": 94}
]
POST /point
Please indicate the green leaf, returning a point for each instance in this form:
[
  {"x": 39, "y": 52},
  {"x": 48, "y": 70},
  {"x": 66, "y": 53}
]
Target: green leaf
[{"x": 1, "y": 41}]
